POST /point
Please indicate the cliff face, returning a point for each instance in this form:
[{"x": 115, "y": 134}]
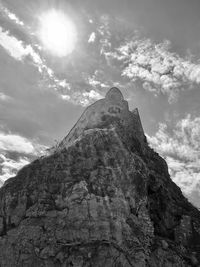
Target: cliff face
[{"x": 102, "y": 198}]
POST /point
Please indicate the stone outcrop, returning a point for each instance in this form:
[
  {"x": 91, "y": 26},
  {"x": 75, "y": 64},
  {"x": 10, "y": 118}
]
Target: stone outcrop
[
  {"x": 102, "y": 198},
  {"x": 97, "y": 115}
]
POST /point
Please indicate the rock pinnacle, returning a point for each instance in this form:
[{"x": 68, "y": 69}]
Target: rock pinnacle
[
  {"x": 102, "y": 114},
  {"x": 103, "y": 198}
]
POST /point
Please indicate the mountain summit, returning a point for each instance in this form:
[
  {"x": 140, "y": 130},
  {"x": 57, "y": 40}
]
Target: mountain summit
[
  {"x": 103, "y": 114},
  {"x": 102, "y": 197}
]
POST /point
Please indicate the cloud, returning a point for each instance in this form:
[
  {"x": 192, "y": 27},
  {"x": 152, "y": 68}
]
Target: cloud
[
  {"x": 92, "y": 95},
  {"x": 15, "y": 152},
  {"x": 96, "y": 82},
  {"x": 13, "y": 46},
  {"x": 92, "y": 37},
  {"x": 4, "y": 97},
  {"x": 160, "y": 70},
  {"x": 74, "y": 82},
  {"x": 183, "y": 142},
  {"x": 18, "y": 50},
  {"x": 181, "y": 149},
  {"x": 104, "y": 31},
  {"x": 6, "y": 12},
  {"x": 86, "y": 98},
  {"x": 9, "y": 167},
  {"x": 28, "y": 52},
  {"x": 13, "y": 142}
]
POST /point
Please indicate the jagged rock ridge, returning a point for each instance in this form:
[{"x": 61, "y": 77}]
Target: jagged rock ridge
[{"x": 102, "y": 198}]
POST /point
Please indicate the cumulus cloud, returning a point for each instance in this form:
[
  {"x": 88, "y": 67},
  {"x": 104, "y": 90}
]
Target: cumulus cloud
[
  {"x": 181, "y": 149},
  {"x": 87, "y": 97},
  {"x": 184, "y": 142},
  {"x": 92, "y": 95},
  {"x": 160, "y": 70},
  {"x": 95, "y": 82},
  {"x": 9, "y": 167},
  {"x": 13, "y": 142},
  {"x": 15, "y": 152}
]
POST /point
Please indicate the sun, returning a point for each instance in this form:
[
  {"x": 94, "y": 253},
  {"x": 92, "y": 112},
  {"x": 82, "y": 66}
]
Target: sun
[{"x": 57, "y": 33}]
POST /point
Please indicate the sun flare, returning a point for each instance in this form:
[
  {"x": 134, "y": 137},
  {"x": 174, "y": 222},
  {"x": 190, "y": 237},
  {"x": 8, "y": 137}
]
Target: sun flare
[{"x": 57, "y": 33}]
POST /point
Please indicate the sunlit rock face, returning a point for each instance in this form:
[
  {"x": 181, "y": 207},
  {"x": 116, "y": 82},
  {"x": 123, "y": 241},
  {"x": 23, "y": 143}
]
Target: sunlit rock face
[
  {"x": 104, "y": 113},
  {"x": 102, "y": 198}
]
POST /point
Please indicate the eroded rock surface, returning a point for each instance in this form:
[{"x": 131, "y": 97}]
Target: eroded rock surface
[{"x": 102, "y": 198}]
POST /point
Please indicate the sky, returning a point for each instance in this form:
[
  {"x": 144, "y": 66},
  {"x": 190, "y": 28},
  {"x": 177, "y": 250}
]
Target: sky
[{"x": 149, "y": 49}]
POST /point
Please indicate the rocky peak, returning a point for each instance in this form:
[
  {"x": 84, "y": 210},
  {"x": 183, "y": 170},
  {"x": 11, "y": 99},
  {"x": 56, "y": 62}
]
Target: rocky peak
[
  {"x": 102, "y": 198},
  {"x": 115, "y": 95},
  {"x": 105, "y": 113}
]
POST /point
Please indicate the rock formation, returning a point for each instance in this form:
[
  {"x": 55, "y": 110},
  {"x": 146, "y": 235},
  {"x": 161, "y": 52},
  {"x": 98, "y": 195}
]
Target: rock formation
[{"x": 102, "y": 198}]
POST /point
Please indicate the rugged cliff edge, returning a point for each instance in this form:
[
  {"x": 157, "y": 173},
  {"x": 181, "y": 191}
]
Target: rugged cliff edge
[{"x": 102, "y": 198}]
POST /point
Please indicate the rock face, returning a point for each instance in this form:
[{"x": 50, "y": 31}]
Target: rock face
[
  {"x": 113, "y": 107},
  {"x": 102, "y": 198}
]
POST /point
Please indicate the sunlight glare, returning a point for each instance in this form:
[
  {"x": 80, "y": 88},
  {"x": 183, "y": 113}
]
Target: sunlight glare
[{"x": 57, "y": 33}]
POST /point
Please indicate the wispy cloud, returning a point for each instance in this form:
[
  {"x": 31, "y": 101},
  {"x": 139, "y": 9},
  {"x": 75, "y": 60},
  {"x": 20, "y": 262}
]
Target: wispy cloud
[
  {"x": 92, "y": 37},
  {"x": 20, "y": 51},
  {"x": 13, "y": 46},
  {"x": 181, "y": 149},
  {"x": 81, "y": 90},
  {"x": 104, "y": 34},
  {"x": 6, "y": 12},
  {"x": 27, "y": 52},
  {"x": 4, "y": 97}
]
